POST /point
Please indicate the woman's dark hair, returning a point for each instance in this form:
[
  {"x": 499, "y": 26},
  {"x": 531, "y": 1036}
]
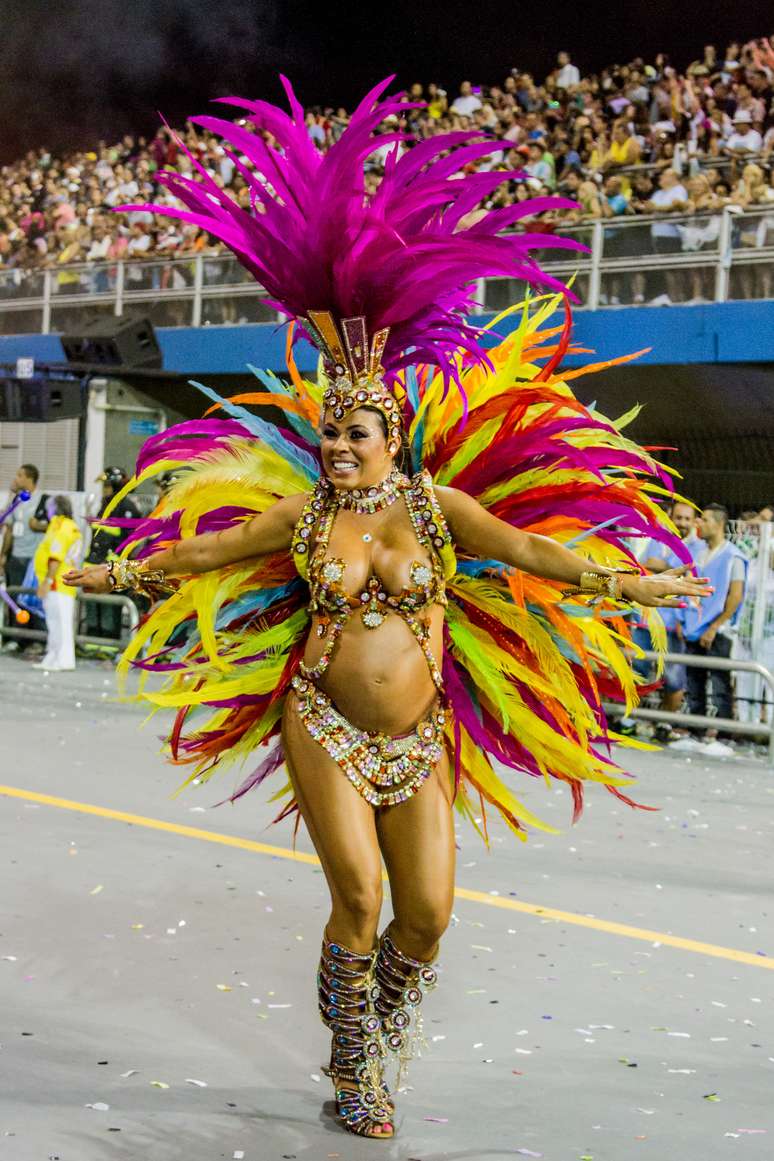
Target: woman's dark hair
[
  {"x": 403, "y": 458},
  {"x": 63, "y": 506}
]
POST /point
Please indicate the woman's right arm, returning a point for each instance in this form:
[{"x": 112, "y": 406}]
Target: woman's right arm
[{"x": 270, "y": 531}]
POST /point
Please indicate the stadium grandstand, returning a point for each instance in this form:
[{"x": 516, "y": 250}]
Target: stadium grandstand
[
  {"x": 673, "y": 175},
  {"x": 605, "y": 140}
]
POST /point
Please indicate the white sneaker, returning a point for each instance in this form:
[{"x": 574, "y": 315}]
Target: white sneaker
[
  {"x": 660, "y": 300},
  {"x": 687, "y": 745},
  {"x": 718, "y": 749}
]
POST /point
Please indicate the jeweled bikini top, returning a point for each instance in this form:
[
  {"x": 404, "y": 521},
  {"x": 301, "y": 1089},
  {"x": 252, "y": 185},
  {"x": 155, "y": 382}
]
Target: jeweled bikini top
[{"x": 334, "y": 605}]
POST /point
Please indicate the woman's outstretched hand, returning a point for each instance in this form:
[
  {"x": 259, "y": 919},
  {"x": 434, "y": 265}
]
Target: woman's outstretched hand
[
  {"x": 671, "y": 589},
  {"x": 94, "y": 578}
]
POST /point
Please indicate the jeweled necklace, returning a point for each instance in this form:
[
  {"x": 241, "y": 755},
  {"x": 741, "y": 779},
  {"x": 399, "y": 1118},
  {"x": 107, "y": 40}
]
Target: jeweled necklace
[{"x": 366, "y": 501}]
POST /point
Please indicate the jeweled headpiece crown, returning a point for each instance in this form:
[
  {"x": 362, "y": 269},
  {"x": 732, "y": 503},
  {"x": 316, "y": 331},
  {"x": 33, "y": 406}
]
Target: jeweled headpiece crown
[{"x": 353, "y": 367}]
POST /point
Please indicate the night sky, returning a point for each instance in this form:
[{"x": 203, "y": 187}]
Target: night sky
[{"x": 73, "y": 73}]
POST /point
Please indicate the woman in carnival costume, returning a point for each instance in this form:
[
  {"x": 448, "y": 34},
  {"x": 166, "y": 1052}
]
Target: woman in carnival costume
[{"x": 378, "y": 591}]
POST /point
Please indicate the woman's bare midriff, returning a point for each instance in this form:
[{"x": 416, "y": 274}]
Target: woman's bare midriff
[{"x": 379, "y": 678}]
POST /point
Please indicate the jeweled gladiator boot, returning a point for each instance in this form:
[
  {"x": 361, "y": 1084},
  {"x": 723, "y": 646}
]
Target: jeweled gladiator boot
[
  {"x": 347, "y": 993},
  {"x": 402, "y": 983}
]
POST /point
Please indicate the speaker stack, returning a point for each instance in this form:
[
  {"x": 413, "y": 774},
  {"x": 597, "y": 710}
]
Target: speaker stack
[
  {"x": 40, "y": 400},
  {"x": 104, "y": 343},
  {"x": 114, "y": 342}
]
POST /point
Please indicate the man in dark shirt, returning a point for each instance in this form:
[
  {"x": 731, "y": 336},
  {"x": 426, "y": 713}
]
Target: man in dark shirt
[{"x": 104, "y": 620}]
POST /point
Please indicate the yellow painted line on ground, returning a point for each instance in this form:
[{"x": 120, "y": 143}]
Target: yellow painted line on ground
[{"x": 571, "y": 917}]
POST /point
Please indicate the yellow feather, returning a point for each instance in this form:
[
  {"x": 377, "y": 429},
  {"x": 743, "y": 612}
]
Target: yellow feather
[{"x": 474, "y": 762}]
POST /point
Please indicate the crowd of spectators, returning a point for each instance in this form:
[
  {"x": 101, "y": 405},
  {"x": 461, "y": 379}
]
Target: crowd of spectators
[{"x": 635, "y": 139}]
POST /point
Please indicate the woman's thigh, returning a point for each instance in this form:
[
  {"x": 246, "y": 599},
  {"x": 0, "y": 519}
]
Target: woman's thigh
[
  {"x": 417, "y": 841},
  {"x": 341, "y": 824}
]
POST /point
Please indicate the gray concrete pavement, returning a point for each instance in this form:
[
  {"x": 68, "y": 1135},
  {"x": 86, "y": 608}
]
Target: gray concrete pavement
[{"x": 136, "y": 962}]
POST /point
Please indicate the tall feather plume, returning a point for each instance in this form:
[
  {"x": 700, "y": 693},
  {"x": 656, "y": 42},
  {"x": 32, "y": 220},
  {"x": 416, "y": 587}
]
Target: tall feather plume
[{"x": 316, "y": 241}]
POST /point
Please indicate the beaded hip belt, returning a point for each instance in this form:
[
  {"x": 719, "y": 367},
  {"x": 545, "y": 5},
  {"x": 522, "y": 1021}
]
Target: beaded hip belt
[{"x": 384, "y": 770}]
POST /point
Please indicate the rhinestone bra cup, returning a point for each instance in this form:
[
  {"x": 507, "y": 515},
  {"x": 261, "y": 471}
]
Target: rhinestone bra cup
[
  {"x": 374, "y": 601},
  {"x": 334, "y": 605}
]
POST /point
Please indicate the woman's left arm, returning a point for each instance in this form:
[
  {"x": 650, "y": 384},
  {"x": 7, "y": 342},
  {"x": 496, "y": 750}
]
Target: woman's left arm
[{"x": 482, "y": 534}]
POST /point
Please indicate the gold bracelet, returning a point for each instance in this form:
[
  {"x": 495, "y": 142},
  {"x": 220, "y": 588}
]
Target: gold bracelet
[
  {"x": 132, "y": 576},
  {"x": 601, "y": 584}
]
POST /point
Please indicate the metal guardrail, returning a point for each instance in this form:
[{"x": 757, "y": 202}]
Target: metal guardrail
[
  {"x": 16, "y": 632},
  {"x": 209, "y": 289},
  {"x": 727, "y": 725}
]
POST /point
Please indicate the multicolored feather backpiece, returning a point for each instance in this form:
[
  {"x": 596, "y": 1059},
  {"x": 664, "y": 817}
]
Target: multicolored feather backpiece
[{"x": 526, "y": 672}]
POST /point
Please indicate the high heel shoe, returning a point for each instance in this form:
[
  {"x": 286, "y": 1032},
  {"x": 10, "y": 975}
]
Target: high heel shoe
[
  {"x": 347, "y": 992},
  {"x": 401, "y": 985}
]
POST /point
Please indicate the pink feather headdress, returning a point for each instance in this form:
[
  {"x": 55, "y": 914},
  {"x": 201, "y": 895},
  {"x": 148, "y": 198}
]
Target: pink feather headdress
[{"x": 398, "y": 258}]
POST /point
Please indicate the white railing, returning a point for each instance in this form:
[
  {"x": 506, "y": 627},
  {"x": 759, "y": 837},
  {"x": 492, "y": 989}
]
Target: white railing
[{"x": 631, "y": 261}]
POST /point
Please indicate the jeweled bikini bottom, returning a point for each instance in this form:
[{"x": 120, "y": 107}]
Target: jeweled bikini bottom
[{"x": 384, "y": 770}]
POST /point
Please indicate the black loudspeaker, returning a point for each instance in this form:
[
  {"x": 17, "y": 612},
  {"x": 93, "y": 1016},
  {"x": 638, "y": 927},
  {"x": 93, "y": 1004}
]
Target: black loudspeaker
[
  {"x": 114, "y": 342},
  {"x": 40, "y": 400}
]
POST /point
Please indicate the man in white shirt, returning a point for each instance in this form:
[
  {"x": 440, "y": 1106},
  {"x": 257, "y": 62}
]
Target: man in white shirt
[
  {"x": 100, "y": 244},
  {"x": 671, "y": 197},
  {"x": 568, "y": 75},
  {"x": 467, "y": 102},
  {"x": 98, "y": 252},
  {"x": 139, "y": 245},
  {"x": 744, "y": 139}
]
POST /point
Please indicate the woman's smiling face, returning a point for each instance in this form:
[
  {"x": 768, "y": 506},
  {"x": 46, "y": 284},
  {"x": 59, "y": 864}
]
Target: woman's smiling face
[{"x": 355, "y": 453}]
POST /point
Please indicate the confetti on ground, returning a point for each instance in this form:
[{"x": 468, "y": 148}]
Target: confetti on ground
[
  {"x": 438, "y": 1120},
  {"x": 313, "y": 1076},
  {"x": 223, "y": 987},
  {"x": 198, "y": 1083},
  {"x": 10, "y": 958},
  {"x": 239, "y": 1154},
  {"x": 159, "y": 1084},
  {"x": 98, "y": 1106},
  {"x": 528, "y": 1153},
  {"x": 711, "y": 1096},
  {"x": 131, "y": 1072},
  {"x": 96, "y": 890}
]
